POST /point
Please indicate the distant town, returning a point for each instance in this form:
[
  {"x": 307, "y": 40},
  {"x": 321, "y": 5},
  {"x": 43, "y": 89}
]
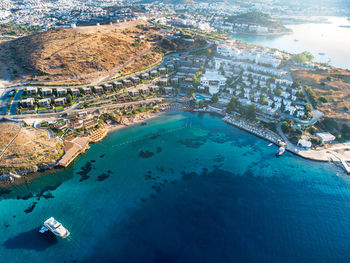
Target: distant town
[{"x": 17, "y": 18}]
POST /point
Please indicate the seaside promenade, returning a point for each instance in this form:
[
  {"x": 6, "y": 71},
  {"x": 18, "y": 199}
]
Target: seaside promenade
[
  {"x": 244, "y": 125},
  {"x": 257, "y": 131},
  {"x": 337, "y": 153}
]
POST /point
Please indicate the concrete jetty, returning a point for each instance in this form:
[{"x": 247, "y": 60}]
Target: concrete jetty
[
  {"x": 257, "y": 131},
  {"x": 73, "y": 149},
  {"x": 342, "y": 161}
]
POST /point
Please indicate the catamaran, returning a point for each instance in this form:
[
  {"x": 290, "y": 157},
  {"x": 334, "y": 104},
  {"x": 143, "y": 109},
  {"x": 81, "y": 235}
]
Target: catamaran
[{"x": 55, "y": 227}]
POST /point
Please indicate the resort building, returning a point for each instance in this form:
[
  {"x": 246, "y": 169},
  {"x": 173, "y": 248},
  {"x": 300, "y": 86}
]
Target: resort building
[
  {"x": 162, "y": 71},
  {"x": 44, "y": 102},
  {"x": 61, "y": 92},
  {"x": 75, "y": 91},
  {"x": 163, "y": 82},
  {"x": 77, "y": 124},
  {"x": 127, "y": 83},
  {"x": 61, "y": 124},
  {"x": 86, "y": 90},
  {"x": 135, "y": 80},
  {"x": 213, "y": 81},
  {"x": 117, "y": 85},
  {"x": 145, "y": 76},
  {"x": 170, "y": 67},
  {"x": 154, "y": 88},
  {"x": 325, "y": 137},
  {"x": 88, "y": 124},
  {"x": 46, "y": 92},
  {"x": 143, "y": 90},
  {"x": 28, "y": 103},
  {"x": 108, "y": 87},
  {"x": 133, "y": 92},
  {"x": 31, "y": 91},
  {"x": 98, "y": 89},
  {"x": 169, "y": 90},
  {"x": 60, "y": 101},
  {"x": 154, "y": 73},
  {"x": 304, "y": 143}
]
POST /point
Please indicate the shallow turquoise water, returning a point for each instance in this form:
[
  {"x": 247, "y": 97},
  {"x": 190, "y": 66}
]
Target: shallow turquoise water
[{"x": 185, "y": 188}]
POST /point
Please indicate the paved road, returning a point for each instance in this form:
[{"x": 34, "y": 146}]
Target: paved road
[
  {"x": 4, "y": 99},
  {"x": 71, "y": 110},
  {"x": 14, "y": 104}
]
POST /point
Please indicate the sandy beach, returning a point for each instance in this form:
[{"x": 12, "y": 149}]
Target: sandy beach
[{"x": 8, "y": 181}]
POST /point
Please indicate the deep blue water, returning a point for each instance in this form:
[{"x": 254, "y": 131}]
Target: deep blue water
[{"x": 185, "y": 188}]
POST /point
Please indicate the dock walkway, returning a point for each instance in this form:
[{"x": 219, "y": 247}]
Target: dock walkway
[{"x": 342, "y": 160}]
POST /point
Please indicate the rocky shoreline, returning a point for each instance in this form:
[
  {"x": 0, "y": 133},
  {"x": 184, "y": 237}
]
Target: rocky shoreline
[{"x": 24, "y": 177}]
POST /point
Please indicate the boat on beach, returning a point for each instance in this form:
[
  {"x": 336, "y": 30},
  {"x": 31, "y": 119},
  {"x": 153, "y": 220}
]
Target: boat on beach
[{"x": 55, "y": 227}]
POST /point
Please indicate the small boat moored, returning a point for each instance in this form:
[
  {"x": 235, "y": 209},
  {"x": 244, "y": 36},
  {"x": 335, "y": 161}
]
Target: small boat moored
[
  {"x": 55, "y": 227},
  {"x": 281, "y": 151}
]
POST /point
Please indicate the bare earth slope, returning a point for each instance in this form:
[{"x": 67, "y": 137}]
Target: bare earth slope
[
  {"x": 26, "y": 149},
  {"x": 334, "y": 87},
  {"x": 83, "y": 52}
]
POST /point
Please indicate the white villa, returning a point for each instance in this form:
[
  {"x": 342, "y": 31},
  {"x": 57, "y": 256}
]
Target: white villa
[{"x": 212, "y": 80}]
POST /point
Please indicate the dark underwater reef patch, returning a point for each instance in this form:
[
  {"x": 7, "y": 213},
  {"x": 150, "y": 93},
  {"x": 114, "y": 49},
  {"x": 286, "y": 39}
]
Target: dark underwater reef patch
[
  {"x": 44, "y": 193},
  {"x": 102, "y": 177},
  {"x": 160, "y": 169},
  {"x": 155, "y": 136},
  {"x": 218, "y": 137},
  {"x": 4, "y": 191},
  {"x": 84, "y": 171},
  {"x": 146, "y": 154},
  {"x": 193, "y": 143},
  {"x": 30, "y": 208},
  {"x": 25, "y": 197}
]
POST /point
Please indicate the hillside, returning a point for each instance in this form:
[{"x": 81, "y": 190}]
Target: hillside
[
  {"x": 331, "y": 95},
  {"x": 261, "y": 19},
  {"x": 82, "y": 53},
  {"x": 30, "y": 149}
]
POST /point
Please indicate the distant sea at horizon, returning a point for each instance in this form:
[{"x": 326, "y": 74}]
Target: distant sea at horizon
[
  {"x": 328, "y": 38},
  {"x": 186, "y": 187}
]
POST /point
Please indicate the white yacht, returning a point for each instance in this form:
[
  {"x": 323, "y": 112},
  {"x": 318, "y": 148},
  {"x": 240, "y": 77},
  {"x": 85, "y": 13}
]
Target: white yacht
[{"x": 55, "y": 227}]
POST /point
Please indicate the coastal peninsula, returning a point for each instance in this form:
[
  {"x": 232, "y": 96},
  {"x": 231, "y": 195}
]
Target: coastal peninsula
[{"x": 264, "y": 91}]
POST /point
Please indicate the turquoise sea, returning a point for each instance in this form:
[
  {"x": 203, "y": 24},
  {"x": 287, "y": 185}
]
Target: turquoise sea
[
  {"x": 184, "y": 188},
  {"x": 328, "y": 42}
]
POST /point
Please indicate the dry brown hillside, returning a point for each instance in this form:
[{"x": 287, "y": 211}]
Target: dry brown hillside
[
  {"x": 26, "y": 148},
  {"x": 82, "y": 53},
  {"x": 332, "y": 89}
]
